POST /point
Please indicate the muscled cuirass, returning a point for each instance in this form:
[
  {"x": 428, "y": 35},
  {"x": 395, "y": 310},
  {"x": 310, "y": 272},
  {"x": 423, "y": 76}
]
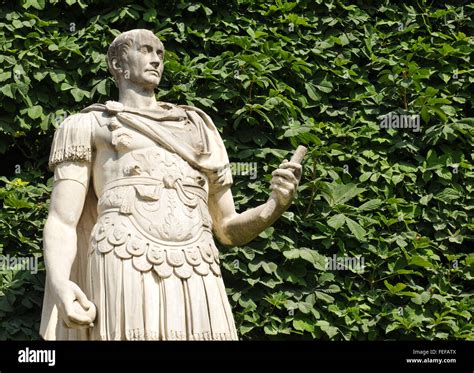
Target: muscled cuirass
[{"x": 155, "y": 212}]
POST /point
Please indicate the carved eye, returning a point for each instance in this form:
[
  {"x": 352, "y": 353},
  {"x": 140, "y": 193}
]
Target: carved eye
[{"x": 145, "y": 49}]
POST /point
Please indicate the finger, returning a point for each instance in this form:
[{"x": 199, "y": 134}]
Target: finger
[
  {"x": 280, "y": 190},
  {"x": 74, "y": 316},
  {"x": 79, "y": 319},
  {"x": 72, "y": 325},
  {"x": 284, "y": 186},
  {"x": 280, "y": 180},
  {"x": 81, "y": 298},
  {"x": 296, "y": 168},
  {"x": 285, "y": 161},
  {"x": 286, "y": 174},
  {"x": 293, "y": 165}
]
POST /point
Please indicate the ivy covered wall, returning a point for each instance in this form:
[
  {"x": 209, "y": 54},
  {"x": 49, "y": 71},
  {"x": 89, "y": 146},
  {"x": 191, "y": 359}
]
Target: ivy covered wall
[{"x": 379, "y": 91}]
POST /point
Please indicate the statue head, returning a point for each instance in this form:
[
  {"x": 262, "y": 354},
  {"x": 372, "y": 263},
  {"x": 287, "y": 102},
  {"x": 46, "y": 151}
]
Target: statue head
[{"x": 136, "y": 57}]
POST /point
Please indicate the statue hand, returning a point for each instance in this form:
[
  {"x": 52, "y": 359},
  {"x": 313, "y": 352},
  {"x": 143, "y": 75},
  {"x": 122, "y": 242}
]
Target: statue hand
[
  {"x": 284, "y": 182},
  {"x": 74, "y": 308}
]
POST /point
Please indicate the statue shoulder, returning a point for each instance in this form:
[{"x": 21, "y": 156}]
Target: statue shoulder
[
  {"x": 199, "y": 117},
  {"x": 73, "y": 139},
  {"x": 194, "y": 109},
  {"x": 94, "y": 108},
  {"x": 78, "y": 122}
]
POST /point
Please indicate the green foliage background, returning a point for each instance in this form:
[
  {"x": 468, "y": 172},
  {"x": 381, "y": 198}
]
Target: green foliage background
[{"x": 272, "y": 75}]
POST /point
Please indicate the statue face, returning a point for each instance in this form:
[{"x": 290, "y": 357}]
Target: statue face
[{"x": 143, "y": 63}]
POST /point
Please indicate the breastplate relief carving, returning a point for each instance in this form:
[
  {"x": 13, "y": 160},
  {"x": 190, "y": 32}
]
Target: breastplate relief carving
[{"x": 163, "y": 194}]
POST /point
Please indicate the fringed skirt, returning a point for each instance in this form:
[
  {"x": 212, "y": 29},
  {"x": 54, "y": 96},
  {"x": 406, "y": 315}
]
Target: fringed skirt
[{"x": 134, "y": 305}]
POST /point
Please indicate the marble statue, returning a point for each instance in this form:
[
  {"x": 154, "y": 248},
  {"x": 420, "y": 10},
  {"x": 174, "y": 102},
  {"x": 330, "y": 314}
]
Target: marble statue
[{"x": 140, "y": 187}]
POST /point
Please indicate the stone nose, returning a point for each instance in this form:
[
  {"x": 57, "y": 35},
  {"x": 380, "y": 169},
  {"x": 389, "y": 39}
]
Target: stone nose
[{"x": 155, "y": 64}]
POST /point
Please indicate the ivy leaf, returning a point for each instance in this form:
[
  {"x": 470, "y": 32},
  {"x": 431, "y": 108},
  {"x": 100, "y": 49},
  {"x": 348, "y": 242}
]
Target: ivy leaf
[
  {"x": 373, "y": 204},
  {"x": 324, "y": 297},
  {"x": 35, "y": 112},
  {"x": 337, "y": 221},
  {"x": 418, "y": 260},
  {"x": 356, "y": 229},
  {"x": 324, "y": 86},
  {"x": 7, "y": 90},
  {"x": 303, "y": 325},
  {"x": 312, "y": 94}
]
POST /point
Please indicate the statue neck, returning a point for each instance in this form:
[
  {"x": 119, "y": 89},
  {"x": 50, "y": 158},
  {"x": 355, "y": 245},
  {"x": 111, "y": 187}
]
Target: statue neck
[{"x": 137, "y": 97}]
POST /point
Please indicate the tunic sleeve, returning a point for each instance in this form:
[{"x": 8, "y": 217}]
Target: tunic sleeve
[{"x": 72, "y": 141}]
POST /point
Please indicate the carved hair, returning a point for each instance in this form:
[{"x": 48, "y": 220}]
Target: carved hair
[{"x": 119, "y": 48}]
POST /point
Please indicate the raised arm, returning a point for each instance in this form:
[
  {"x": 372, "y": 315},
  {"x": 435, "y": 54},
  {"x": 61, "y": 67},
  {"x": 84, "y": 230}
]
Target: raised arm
[
  {"x": 60, "y": 240},
  {"x": 236, "y": 229}
]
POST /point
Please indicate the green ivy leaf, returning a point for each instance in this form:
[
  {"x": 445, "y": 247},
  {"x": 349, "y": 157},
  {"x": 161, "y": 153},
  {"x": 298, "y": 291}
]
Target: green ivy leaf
[
  {"x": 337, "y": 221},
  {"x": 356, "y": 229},
  {"x": 35, "y": 112}
]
